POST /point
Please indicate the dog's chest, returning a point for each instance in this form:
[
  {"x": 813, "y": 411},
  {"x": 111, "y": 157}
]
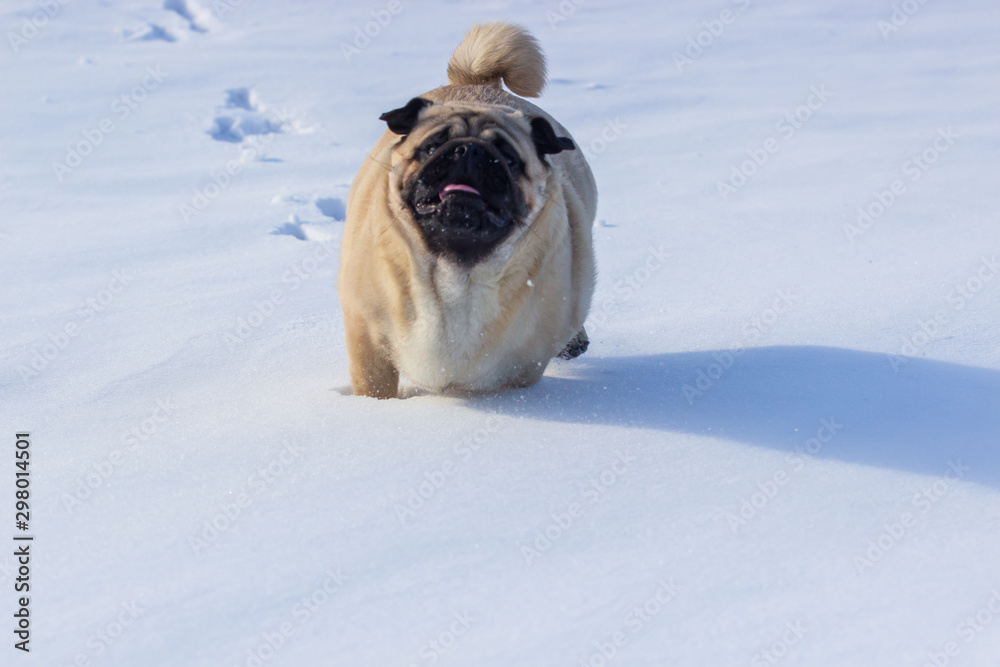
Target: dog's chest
[
  {"x": 453, "y": 337},
  {"x": 463, "y": 308}
]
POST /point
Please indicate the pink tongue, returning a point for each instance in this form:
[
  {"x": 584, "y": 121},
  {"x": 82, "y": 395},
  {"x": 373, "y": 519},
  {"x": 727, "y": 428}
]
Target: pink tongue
[{"x": 457, "y": 187}]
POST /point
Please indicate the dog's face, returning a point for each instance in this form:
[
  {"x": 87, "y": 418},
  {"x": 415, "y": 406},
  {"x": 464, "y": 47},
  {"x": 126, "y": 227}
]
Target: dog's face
[{"x": 468, "y": 176}]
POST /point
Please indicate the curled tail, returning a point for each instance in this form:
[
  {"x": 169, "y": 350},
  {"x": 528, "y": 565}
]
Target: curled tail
[{"x": 494, "y": 51}]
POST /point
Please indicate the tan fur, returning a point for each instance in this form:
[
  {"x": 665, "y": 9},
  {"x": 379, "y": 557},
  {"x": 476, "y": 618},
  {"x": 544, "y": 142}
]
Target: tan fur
[
  {"x": 494, "y": 51},
  {"x": 449, "y": 327}
]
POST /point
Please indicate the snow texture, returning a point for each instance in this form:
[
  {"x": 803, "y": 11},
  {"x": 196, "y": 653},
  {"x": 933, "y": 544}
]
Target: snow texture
[{"x": 781, "y": 447}]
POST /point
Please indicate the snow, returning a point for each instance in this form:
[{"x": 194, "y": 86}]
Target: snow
[{"x": 772, "y": 391}]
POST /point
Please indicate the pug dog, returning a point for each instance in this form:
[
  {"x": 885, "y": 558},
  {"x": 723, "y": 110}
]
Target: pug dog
[{"x": 467, "y": 258}]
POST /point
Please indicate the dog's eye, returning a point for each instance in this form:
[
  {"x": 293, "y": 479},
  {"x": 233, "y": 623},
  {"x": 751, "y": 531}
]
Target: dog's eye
[
  {"x": 512, "y": 162},
  {"x": 430, "y": 146},
  {"x": 509, "y": 155}
]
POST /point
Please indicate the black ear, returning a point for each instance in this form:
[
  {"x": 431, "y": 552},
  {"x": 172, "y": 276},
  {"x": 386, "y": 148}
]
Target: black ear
[
  {"x": 546, "y": 141},
  {"x": 402, "y": 121}
]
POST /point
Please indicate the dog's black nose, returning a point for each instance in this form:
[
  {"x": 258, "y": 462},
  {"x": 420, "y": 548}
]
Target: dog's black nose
[
  {"x": 473, "y": 163},
  {"x": 472, "y": 152}
]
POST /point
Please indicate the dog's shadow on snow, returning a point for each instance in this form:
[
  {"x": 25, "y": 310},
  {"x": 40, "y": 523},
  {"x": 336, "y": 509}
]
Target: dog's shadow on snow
[{"x": 916, "y": 416}]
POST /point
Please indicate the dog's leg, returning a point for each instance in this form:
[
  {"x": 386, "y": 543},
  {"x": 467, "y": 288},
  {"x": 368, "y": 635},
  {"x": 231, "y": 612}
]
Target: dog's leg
[
  {"x": 372, "y": 370},
  {"x": 577, "y": 346}
]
